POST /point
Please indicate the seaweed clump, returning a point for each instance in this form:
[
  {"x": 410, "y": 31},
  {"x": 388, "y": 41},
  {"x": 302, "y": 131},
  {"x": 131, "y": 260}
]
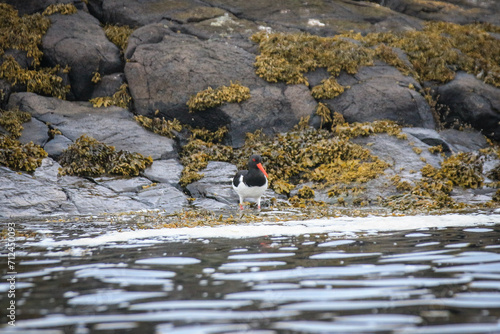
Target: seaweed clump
[
  {"x": 25, "y": 34},
  {"x": 434, "y": 189},
  {"x": 61, "y": 8},
  {"x": 12, "y": 121},
  {"x": 22, "y": 157},
  {"x": 434, "y": 54},
  {"x": 118, "y": 35},
  {"x": 89, "y": 157},
  {"x": 312, "y": 155},
  {"x": 203, "y": 146},
  {"x": 120, "y": 99},
  {"x": 160, "y": 126},
  {"x": 13, "y": 154},
  {"x": 209, "y": 98}
]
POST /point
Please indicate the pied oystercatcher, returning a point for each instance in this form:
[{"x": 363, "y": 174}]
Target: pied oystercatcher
[{"x": 251, "y": 183}]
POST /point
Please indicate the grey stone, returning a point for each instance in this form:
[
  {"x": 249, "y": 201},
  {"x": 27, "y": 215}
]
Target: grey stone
[
  {"x": 203, "y": 64},
  {"x": 113, "y": 125},
  {"x": 79, "y": 41},
  {"x": 24, "y": 195},
  {"x": 123, "y": 184},
  {"x": 163, "y": 196},
  {"x": 382, "y": 92},
  {"x": 464, "y": 141},
  {"x": 164, "y": 171},
  {"x": 34, "y": 131},
  {"x": 90, "y": 198},
  {"x": 56, "y": 146},
  {"x": 108, "y": 85},
  {"x": 216, "y": 183},
  {"x": 471, "y": 101}
]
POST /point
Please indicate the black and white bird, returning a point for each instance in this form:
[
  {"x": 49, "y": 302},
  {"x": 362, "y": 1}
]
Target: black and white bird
[{"x": 251, "y": 183}]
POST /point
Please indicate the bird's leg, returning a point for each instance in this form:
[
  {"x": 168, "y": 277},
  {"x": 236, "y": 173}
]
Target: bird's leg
[
  {"x": 258, "y": 203},
  {"x": 241, "y": 203}
]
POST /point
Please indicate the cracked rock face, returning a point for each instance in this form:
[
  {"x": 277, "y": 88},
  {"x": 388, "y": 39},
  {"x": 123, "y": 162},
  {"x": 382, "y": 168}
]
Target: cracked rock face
[{"x": 181, "y": 47}]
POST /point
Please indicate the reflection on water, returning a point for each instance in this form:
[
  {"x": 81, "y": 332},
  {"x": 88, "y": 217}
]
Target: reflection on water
[{"x": 443, "y": 280}]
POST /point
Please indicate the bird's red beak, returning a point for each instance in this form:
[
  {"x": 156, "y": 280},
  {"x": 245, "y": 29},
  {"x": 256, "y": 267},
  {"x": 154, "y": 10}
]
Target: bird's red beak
[{"x": 259, "y": 166}]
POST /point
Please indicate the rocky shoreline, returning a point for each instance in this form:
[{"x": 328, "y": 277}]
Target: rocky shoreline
[{"x": 438, "y": 148}]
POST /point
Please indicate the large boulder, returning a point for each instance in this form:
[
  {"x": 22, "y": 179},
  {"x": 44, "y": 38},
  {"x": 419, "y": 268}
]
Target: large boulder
[
  {"x": 138, "y": 13},
  {"x": 382, "y": 92},
  {"x": 24, "y": 195},
  {"x": 113, "y": 125},
  {"x": 471, "y": 101},
  {"x": 319, "y": 17},
  {"x": 79, "y": 41},
  {"x": 163, "y": 76},
  {"x": 456, "y": 11}
]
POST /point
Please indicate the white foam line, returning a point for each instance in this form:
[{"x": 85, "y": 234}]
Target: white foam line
[{"x": 288, "y": 228}]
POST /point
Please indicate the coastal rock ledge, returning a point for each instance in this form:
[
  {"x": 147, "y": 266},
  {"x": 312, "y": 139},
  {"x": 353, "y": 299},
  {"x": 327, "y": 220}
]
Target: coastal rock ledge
[{"x": 382, "y": 104}]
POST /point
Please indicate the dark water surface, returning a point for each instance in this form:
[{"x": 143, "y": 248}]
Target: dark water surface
[{"x": 436, "y": 280}]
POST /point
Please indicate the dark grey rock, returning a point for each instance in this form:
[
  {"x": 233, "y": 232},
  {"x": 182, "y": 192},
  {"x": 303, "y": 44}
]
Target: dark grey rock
[
  {"x": 56, "y": 146},
  {"x": 149, "y": 34},
  {"x": 113, "y": 125},
  {"x": 78, "y": 41},
  {"x": 35, "y": 131},
  {"x": 163, "y": 76},
  {"x": 164, "y": 171},
  {"x": 471, "y": 101},
  {"x": 5, "y": 89},
  {"x": 429, "y": 137},
  {"x": 272, "y": 109},
  {"x": 464, "y": 141},
  {"x": 137, "y": 13},
  {"x": 163, "y": 196},
  {"x": 382, "y": 92},
  {"x": 216, "y": 183},
  {"x": 321, "y": 17},
  {"x": 33, "y": 6},
  {"x": 24, "y": 195},
  {"x": 123, "y": 184},
  {"x": 108, "y": 85},
  {"x": 456, "y": 11}
]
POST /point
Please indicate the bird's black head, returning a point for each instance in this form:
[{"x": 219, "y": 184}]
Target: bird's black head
[{"x": 254, "y": 160}]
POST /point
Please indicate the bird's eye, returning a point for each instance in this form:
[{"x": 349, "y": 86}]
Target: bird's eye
[{"x": 253, "y": 160}]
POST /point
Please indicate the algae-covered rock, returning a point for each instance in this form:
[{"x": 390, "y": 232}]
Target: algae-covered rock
[{"x": 88, "y": 157}]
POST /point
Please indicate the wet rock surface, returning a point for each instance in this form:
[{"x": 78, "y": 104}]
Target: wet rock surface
[{"x": 179, "y": 48}]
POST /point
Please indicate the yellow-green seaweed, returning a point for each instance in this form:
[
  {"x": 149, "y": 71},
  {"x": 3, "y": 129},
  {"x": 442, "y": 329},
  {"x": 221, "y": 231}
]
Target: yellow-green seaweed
[
  {"x": 209, "y": 98},
  {"x": 89, "y": 157},
  {"x": 121, "y": 99},
  {"x": 22, "y": 157},
  {"x": 160, "y": 126}
]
